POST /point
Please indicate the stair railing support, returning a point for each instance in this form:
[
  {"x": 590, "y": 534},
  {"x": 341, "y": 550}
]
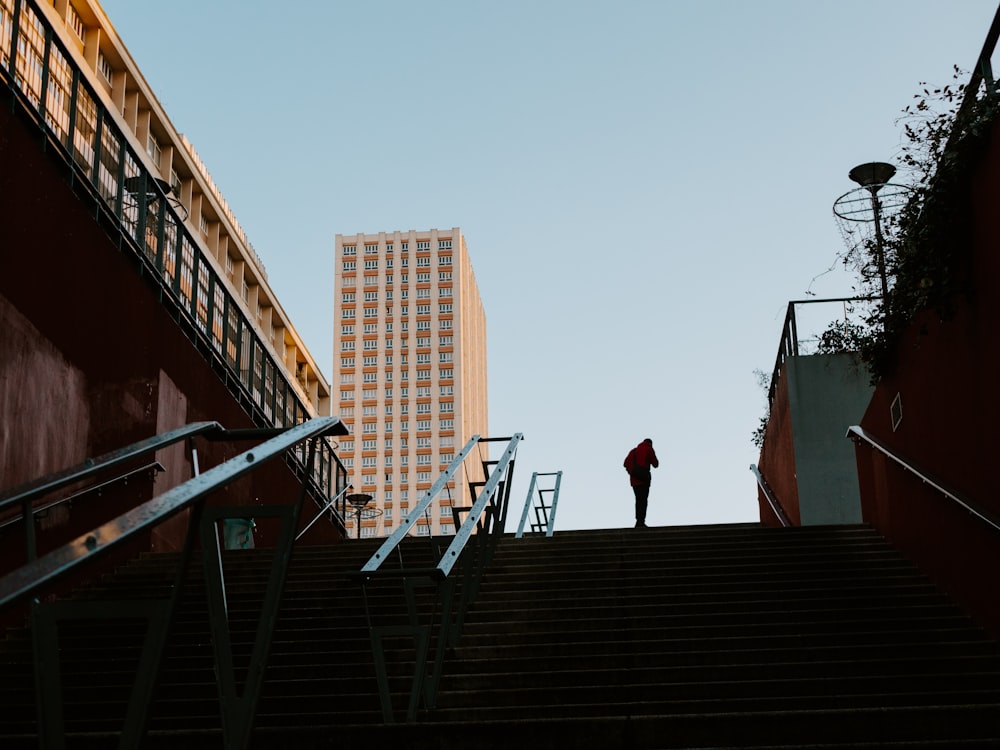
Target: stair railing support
[
  {"x": 545, "y": 515},
  {"x": 238, "y": 711},
  {"x": 486, "y": 517}
]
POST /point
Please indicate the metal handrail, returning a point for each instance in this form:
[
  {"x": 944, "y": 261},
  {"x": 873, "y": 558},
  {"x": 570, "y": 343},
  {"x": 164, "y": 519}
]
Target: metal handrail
[
  {"x": 435, "y": 631},
  {"x": 856, "y": 433},
  {"x": 330, "y": 505},
  {"x": 237, "y": 702},
  {"x": 110, "y": 460},
  {"x": 982, "y": 73},
  {"x": 544, "y": 519},
  {"x": 153, "y": 467},
  {"x": 393, "y": 540},
  {"x": 27, "y": 493},
  {"x": 771, "y": 498},
  {"x": 58, "y": 562},
  {"x": 451, "y": 555},
  {"x": 788, "y": 346}
]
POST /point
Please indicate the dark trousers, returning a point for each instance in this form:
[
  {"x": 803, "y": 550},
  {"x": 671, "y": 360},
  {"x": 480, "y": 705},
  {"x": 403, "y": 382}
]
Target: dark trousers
[{"x": 641, "y": 501}]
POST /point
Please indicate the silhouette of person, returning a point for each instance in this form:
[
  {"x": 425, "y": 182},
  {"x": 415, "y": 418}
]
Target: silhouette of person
[{"x": 637, "y": 464}]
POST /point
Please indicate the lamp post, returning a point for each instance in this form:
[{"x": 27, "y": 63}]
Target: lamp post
[
  {"x": 359, "y": 501},
  {"x": 873, "y": 176}
]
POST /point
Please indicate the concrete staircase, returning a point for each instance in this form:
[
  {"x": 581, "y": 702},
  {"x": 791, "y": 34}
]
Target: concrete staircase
[{"x": 687, "y": 637}]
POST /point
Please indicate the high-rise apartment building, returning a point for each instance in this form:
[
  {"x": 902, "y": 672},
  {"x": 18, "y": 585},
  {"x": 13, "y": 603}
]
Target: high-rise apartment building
[{"x": 409, "y": 370}]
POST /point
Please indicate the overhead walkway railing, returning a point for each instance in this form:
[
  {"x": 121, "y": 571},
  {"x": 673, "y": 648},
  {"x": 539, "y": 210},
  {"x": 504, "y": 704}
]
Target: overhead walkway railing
[
  {"x": 144, "y": 217},
  {"x": 545, "y": 513},
  {"x": 238, "y": 703},
  {"x": 434, "y": 623}
]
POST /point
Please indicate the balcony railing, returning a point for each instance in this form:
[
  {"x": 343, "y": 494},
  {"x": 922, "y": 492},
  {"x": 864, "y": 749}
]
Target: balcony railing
[
  {"x": 149, "y": 220},
  {"x": 791, "y": 344}
]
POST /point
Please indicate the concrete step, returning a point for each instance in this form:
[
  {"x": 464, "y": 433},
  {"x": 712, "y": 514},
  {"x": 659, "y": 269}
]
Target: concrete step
[{"x": 654, "y": 638}]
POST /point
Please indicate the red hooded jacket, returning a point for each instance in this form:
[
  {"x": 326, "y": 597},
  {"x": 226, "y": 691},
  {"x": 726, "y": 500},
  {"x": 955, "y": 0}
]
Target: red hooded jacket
[{"x": 638, "y": 461}]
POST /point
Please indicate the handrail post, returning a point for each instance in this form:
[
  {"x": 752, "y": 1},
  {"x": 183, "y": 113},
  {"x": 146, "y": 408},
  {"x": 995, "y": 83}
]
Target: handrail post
[
  {"x": 548, "y": 517},
  {"x": 30, "y": 540},
  {"x": 487, "y": 516},
  {"x": 793, "y": 332},
  {"x": 527, "y": 505},
  {"x": 555, "y": 504}
]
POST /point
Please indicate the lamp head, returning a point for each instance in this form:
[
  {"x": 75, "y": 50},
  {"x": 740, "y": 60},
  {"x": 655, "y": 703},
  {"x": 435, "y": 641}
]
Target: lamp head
[{"x": 872, "y": 175}]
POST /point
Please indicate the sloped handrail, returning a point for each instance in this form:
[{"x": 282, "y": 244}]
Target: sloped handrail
[
  {"x": 42, "y": 570},
  {"x": 393, "y": 540},
  {"x": 771, "y": 498},
  {"x": 237, "y": 704},
  {"x": 330, "y": 505},
  {"x": 857, "y": 433},
  {"x": 110, "y": 460},
  {"x": 436, "y": 630},
  {"x": 26, "y": 494},
  {"x": 151, "y": 468},
  {"x": 486, "y": 498}
]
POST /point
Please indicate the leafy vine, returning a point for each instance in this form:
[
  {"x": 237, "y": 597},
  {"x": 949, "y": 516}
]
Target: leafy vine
[{"x": 925, "y": 244}]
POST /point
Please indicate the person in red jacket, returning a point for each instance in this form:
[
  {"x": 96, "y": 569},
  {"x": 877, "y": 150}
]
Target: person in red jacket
[{"x": 638, "y": 463}]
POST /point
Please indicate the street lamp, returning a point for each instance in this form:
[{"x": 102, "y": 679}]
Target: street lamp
[
  {"x": 359, "y": 502},
  {"x": 873, "y": 176}
]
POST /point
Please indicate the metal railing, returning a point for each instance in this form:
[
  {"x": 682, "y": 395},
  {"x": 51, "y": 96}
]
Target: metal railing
[
  {"x": 772, "y": 499},
  {"x": 25, "y": 496},
  {"x": 237, "y": 703},
  {"x": 328, "y": 507},
  {"x": 859, "y": 434},
  {"x": 545, "y": 515},
  {"x": 436, "y": 627},
  {"x": 788, "y": 346},
  {"x": 150, "y": 469},
  {"x": 982, "y": 75},
  {"x": 146, "y": 218}
]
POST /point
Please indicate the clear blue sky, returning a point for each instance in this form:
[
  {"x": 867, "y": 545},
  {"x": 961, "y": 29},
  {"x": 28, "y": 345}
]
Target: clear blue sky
[{"x": 643, "y": 186}]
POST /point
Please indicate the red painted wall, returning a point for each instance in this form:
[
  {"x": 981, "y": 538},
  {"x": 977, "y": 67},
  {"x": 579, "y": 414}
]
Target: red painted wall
[
  {"x": 946, "y": 377},
  {"x": 777, "y": 459}
]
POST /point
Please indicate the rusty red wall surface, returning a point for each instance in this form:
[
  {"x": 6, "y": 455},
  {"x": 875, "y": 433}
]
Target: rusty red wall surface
[{"x": 946, "y": 378}]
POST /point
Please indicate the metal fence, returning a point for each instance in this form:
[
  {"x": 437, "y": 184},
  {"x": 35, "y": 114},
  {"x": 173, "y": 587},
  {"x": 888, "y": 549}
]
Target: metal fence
[{"x": 798, "y": 339}]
